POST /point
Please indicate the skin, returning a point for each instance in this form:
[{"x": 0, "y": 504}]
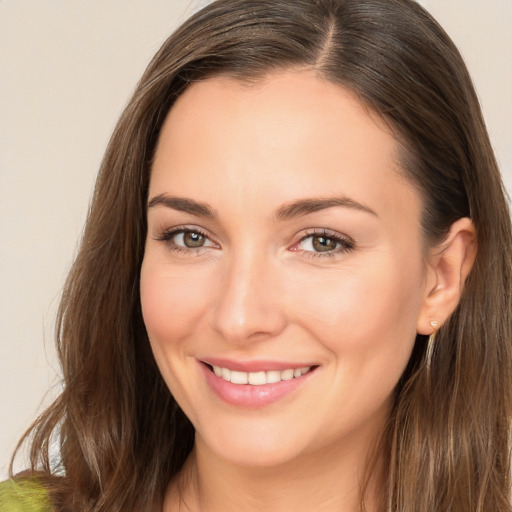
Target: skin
[{"x": 259, "y": 289}]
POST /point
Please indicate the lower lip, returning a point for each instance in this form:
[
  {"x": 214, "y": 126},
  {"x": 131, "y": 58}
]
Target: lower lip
[{"x": 246, "y": 395}]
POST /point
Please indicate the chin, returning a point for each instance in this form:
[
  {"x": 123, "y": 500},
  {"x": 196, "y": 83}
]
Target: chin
[{"x": 266, "y": 448}]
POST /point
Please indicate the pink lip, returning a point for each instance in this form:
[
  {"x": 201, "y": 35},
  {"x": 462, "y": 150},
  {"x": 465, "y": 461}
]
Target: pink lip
[
  {"x": 253, "y": 366},
  {"x": 247, "y": 396}
]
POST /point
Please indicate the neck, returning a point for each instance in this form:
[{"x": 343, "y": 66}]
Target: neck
[{"x": 335, "y": 480}]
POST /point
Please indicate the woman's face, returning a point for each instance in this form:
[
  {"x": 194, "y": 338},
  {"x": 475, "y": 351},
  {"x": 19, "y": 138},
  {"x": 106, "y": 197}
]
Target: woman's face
[{"x": 283, "y": 276}]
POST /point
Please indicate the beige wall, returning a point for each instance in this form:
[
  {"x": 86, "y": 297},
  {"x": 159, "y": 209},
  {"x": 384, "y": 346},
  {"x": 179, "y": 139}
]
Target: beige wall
[{"x": 66, "y": 70}]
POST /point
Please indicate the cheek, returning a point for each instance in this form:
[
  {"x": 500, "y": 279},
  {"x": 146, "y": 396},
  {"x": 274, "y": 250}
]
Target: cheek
[
  {"x": 367, "y": 314},
  {"x": 367, "y": 322},
  {"x": 362, "y": 299},
  {"x": 172, "y": 301}
]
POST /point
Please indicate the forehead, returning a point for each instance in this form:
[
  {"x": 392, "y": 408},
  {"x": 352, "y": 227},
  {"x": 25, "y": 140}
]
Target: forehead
[{"x": 289, "y": 134}]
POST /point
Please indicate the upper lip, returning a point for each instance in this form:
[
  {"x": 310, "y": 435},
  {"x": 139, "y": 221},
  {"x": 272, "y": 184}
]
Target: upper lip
[{"x": 254, "y": 366}]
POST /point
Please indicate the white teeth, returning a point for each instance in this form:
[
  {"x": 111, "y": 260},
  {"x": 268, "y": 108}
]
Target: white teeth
[
  {"x": 273, "y": 376},
  {"x": 259, "y": 378},
  {"x": 226, "y": 374},
  {"x": 239, "y": 377},
  {"x": 287, "y": 375}
]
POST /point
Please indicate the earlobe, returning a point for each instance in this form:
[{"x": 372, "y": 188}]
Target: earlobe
[{"x": 449, "y": 265}]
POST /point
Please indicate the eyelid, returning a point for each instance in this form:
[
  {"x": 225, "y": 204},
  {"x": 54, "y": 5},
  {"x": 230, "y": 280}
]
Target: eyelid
[
  {"x": 344, "y": 242},
  {"x": 347, "y": 244},
  {"x": 166, "y": 235}
]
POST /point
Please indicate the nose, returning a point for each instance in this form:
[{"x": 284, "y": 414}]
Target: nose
[{"x": 249, "y": 303}]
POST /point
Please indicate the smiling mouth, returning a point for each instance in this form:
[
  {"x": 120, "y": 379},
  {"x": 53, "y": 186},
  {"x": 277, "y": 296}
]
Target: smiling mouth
[{"x": 258, "y": 378}]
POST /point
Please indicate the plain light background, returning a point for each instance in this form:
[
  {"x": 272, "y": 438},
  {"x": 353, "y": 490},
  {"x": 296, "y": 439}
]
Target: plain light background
[{"x": 66, "y": 71}]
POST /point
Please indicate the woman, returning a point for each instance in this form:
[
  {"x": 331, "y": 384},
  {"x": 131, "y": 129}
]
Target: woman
[{"x": 293, "y": 290}]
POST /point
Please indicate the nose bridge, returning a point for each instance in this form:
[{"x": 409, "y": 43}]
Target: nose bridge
[{"x": 248, "y": 305}]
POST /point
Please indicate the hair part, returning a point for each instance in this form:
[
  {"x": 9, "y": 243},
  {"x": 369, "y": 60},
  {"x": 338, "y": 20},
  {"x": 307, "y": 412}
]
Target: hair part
[{"x": 447, "y": 439}]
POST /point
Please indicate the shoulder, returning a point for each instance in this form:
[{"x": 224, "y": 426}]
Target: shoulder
[{"x": 24, "y": 495}]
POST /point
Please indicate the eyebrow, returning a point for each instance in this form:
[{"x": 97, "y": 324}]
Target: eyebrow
[
  {"x": 288, "y": 211},
  {"x": 306, "y": 206},
  {"x": 183, "y": 204}
]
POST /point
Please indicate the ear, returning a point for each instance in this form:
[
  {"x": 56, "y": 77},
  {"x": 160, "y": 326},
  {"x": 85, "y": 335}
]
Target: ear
[{"x": 449, "y": 264}]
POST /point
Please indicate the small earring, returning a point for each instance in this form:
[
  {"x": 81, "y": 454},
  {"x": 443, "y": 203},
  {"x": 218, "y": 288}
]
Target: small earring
[{"x": 430, "y": 344}]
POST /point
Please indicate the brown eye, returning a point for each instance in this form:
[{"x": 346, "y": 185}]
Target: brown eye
[
  {"x": 187, "y": 240},
  {"x": 324, "y": 244},
  {"x": 193, "y": 239}
]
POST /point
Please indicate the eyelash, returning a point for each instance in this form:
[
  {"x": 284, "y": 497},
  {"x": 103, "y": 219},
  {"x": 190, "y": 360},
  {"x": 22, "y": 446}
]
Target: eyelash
[
  {"x": 344, "y": 244},
  {"x": 169, "y": 234}
]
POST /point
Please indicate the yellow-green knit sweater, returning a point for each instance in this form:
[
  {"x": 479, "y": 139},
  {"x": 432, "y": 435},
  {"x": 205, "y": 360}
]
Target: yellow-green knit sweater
[{"x": 23, "y": 496}]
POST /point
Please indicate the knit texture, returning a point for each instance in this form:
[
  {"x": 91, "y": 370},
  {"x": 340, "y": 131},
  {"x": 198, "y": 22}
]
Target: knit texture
[{"x": 24, "y": 495}]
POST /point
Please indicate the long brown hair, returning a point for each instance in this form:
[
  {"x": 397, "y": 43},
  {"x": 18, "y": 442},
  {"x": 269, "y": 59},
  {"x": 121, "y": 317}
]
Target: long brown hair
[{"x": 122, "y": 436}]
